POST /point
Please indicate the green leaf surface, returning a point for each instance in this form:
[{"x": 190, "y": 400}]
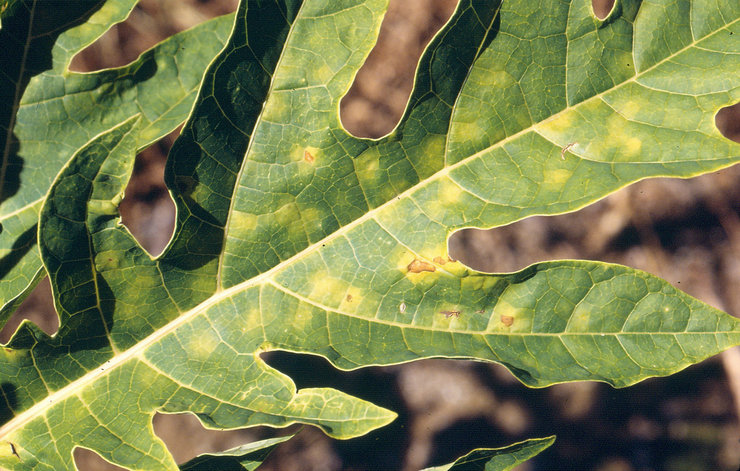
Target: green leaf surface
[
  {"x": 242, "y": 458},
  {"x": 48, "y": 113},
  {"x": 292, "y": 234},
  {"x": 498, "y": 459}
]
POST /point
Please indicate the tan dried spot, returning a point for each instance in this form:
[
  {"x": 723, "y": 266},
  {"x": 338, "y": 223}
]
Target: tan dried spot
[
  {"x": 349, "y": 298},
  {"x": 439, "y": 260},
  {"x": 507, "y": 320},
  {"x": 449, "y": 314},
  {"x": 418, "y": 266},
  {"x": 308, "y": 157}
]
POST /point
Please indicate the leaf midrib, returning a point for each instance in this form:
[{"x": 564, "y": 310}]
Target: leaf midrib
[{"x": 220, "y": 295}]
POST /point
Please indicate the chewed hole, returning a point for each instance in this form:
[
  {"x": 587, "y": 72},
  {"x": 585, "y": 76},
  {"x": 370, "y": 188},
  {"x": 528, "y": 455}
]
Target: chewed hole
[
  {"x": 374, "y": 104},
  {"x": 602, "y": 8},
  {"x": 38, "y": 307},
  {"x": 147, "y": 209},
  {"x": 150, "y": 22},
  {"x": 727, "y": 121}
]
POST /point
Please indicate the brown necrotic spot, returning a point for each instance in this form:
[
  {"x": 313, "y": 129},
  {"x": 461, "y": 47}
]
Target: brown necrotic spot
[
  {"x": 507, "y": 320},
  {"x": 439, "y": 260},
  {"x": 349, "y": 298},
  {"x": 449, "y": 314},
  {"x": 308, "y": 157},
  {"x": 418, "y": 266}
]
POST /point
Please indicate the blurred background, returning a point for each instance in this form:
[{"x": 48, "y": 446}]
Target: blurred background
[{"x": 685, "y": 231}]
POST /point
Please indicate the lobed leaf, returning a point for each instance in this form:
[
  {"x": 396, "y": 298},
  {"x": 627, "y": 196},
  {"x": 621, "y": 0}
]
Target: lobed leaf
[
  {"x": 246, "y": 457},
  {"x": 498, "y": 459},
  {"x": 292, "y": 234},
  {"x": 48, "y": 113}
]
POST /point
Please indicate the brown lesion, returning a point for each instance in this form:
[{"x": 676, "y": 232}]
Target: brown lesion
[
  {"x": 507, "y": 320},
  {"x": 418, "y": 266},
  {"x": 308, "y": 157},
  {"x": 449, "y": 314}
]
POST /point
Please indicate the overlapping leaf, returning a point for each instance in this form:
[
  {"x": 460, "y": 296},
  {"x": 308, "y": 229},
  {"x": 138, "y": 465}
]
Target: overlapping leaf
[
  {"x": 292, "y": 234},
  {"x": 497, "y": 459},
  {"x": 48, "y": 113}
]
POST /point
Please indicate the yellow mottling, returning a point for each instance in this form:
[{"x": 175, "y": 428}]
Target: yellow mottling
[
  {"x": 203, "y": 345},
  {"x": 462, "y": 131},
  {"x": 277, "y": 108},
  {"x": 328, "y": 290},
  {"x": 310, "y": 215},
  {"x": 433, "y": 145},
  {"x": 579, "y": 319},
  {"x": 321, "y": 75},
  {"x": 243, "y": 222},
  {"x": 302, "y": 318},
  {"x": 632, "y": 146},
  {"x": 630, "y": 109},
  {"x": 556, "y": 178},
  {"x": 479, "y": 283},
  {"x": 500, "y": 79},
  {"x": 448, "y": 193},
  {"x": 557, "y": 127},
  {"x": 251, "y": 317},
  {"x": 367, "y": 166},
  {"x": 620, "y": 138}
]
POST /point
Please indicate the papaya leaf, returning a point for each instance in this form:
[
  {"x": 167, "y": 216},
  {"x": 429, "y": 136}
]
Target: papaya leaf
[
  {"x": 498, "y": 459},
  {"x": 48, "y": 113},
  {"x": 246, "y": 457},
  {"x": 291, "y": 234}
]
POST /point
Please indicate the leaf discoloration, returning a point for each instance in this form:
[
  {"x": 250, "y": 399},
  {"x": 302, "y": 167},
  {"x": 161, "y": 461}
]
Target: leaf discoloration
[{"x": 418, "y": 266}]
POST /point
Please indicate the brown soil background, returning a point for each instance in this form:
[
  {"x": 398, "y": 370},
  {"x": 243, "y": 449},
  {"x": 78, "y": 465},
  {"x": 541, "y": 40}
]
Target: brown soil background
[{"x": 686, "y": 231}]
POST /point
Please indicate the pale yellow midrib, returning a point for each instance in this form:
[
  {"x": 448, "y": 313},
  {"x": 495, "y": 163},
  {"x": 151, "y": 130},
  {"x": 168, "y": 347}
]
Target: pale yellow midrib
[{"x": 220, "y": 295}]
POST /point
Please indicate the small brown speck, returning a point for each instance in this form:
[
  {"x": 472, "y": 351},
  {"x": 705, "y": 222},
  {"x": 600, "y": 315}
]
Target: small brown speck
[
  {"x": 566, "y": 149},
  {"x": 308, "y": 157},
  {"x": 439, "y": 260},
  {"x": 349, "y": 298},
  {"x": 507, "y": 320},
  {"x": 13, "y": 450},
  {"x": 449, "y": 314},
  {"x": 480, "y": 311},
  {"x": 418, "y": 266}
]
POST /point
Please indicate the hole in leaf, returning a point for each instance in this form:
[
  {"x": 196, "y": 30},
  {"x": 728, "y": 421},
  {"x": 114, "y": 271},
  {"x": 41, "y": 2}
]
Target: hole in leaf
[
  {"x": 150, "y": 22},
  {"x": 374, "y": 104},
  {"x": 186, "y": 437},
  {"x": 727, "y": 121},
  {"x": 147, "y": 209},
  {"x": 38, "y": 307},
  {"x": 602, "y": 8},
  {"x": 88, "y": 460}
]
